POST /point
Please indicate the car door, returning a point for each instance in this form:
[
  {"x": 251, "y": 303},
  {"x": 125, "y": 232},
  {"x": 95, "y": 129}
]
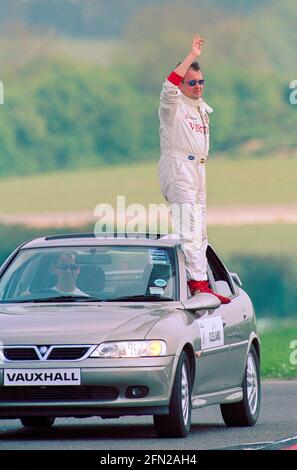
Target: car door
[
  {"x": 232, "y": 360},
  {"x": 220, "y": 359}
]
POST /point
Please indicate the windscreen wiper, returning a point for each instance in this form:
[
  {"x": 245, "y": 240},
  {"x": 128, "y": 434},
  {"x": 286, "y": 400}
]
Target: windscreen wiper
[
  {"x": 61, "y": 298},
  {"x": 136, "y": 298}
]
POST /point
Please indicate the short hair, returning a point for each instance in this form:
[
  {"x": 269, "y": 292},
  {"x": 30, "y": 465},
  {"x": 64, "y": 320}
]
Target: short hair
[
  {"x": 194, "y": 66},
  {"x": 67, "y": 254}
]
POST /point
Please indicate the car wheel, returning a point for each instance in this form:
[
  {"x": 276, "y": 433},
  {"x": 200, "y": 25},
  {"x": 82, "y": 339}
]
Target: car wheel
[
  {"x": 37, "y": 421},
  {"x": 246, "y": 412},
  {"x": 178, "y": 422}
]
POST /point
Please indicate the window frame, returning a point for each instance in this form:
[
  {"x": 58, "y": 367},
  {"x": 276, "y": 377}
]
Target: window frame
[{"x": 218, "y": 270}]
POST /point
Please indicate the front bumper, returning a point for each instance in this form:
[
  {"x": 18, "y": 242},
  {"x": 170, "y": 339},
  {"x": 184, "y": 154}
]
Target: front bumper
[{"x": 156, "y": 374}]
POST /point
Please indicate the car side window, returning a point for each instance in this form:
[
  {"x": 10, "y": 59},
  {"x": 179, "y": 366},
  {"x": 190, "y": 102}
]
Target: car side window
[{"x": 219, "y": 272}]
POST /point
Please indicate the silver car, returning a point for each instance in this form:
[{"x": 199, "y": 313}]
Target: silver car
[{"x": 106, "y": 326}]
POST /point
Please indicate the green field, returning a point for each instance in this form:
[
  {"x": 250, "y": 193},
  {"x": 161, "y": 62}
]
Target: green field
[
  {"x": 277, "y": 348},
  {"x": 264, "y": 255},
  {"x": 255, "y": 239},
  {"x": 270, "y": 180}
]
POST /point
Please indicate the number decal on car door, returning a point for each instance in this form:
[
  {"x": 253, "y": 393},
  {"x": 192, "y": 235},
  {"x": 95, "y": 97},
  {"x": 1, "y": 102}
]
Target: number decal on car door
[{"x": 212, "y": 332}]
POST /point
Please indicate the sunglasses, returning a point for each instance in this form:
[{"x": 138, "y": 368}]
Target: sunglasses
[
  {"x": 194, "y": 82},
  {"x": 71, "y": 266}
]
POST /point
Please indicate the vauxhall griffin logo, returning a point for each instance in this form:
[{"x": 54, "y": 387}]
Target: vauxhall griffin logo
[{"x": 43, "y": 350}]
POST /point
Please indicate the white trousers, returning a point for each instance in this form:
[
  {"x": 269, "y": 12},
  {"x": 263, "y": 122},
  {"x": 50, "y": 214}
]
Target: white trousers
[{"x": 183, "y": 185}]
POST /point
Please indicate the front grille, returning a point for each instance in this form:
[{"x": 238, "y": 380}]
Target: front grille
[
  {"x": 57, "y": 353},
  {"x": 67, "y": 353},
  {"x": 20, "y": 354},
  {"x": 54, "y": 393}
]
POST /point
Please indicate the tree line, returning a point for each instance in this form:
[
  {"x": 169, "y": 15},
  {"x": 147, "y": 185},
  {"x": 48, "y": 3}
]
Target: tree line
[
  {"x": 60, "y": 115},
  {"x": 68, "y": 113}
]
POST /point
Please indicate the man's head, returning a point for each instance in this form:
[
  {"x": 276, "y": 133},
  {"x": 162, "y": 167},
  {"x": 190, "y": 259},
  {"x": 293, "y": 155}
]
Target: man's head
[
  {"x": 66, "y": 271},
  {"x": 189, "y": 85}
]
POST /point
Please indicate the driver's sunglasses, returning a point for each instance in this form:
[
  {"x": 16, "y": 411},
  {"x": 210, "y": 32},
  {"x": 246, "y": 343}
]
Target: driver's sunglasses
[
  {"x": 193, "y": 82},
  {"x": 71, "y": 266}
]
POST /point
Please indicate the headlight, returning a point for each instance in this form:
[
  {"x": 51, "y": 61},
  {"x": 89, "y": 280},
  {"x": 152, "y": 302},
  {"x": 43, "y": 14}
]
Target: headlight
[{"x": 150, "y": 348}]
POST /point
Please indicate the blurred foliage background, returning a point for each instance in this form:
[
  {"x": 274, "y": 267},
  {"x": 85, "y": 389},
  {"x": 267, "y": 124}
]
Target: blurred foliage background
[
  {"x": 82, "y": 84},
  {"x": 82, "y": 80}
]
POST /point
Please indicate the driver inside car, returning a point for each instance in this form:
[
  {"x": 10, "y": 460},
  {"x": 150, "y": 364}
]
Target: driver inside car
[{"x": 67, "y": 271}]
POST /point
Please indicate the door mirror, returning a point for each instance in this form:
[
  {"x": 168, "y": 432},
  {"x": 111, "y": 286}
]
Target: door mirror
[{"x": 202, "y": 301}]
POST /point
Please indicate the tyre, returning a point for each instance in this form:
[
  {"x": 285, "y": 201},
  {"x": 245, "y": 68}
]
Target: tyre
[
  {"x": 246, "y": 412},
  {"x": 37, "y": 421},
  {"x": 178, "y": 422}
]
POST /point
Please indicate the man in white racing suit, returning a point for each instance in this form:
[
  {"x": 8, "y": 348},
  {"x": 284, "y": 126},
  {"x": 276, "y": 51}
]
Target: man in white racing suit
[{"x": 184, "y": 141}]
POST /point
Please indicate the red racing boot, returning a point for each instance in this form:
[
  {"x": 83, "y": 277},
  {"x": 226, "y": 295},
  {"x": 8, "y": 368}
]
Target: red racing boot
[{"x": 203, "y": 286}]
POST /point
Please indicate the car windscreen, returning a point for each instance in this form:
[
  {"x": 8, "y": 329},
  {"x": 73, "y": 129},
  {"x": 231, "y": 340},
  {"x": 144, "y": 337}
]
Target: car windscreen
[{"x": 105, "y": 273}]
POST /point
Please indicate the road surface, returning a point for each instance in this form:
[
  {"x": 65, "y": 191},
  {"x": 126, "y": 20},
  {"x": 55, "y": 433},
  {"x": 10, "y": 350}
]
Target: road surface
[{"x": 278, "y": 420}]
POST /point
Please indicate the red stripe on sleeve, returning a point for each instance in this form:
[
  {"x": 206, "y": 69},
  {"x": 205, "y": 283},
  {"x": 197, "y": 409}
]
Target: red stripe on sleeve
[{"x": 175, "y": 78}]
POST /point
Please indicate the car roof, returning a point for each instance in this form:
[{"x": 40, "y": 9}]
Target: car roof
[{"x": 85, "y": 239}]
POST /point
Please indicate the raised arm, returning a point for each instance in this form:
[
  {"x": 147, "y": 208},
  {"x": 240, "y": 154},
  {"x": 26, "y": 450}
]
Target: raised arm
[
  {"x": 170, "y": 94},
  {"x": 195, "y": 52}
]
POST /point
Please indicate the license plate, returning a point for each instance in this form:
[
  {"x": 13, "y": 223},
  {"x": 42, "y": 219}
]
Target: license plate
[{"x": 21, "y": 377}]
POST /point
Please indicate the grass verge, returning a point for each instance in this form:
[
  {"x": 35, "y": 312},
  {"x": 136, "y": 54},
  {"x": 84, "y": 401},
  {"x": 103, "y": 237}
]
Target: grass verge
[{"x": 279, "y": 350}]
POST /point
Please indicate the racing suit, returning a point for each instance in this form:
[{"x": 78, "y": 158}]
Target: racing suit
[{"x": 184, "y": 141}]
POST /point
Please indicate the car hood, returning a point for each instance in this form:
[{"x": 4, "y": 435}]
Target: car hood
[{"x": 77, "y": 323}]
